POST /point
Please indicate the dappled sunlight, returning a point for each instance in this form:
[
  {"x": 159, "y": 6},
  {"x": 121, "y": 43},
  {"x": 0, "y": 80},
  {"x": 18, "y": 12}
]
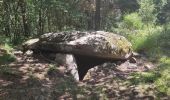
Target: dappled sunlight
[
  {"x": 34, "y": 73},
  {"x": 84, "y": 50}
]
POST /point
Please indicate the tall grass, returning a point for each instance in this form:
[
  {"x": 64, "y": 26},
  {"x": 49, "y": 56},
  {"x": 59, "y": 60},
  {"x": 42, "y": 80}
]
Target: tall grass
[
  {"x": 163, "y": 83},
  {"x": 148, "y": 38},
  {"x": 153, "y": 41}
]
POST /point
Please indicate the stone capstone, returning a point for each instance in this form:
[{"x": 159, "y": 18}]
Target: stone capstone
[
  {"x": 97, "y": 44},
  {"x": 81, "y": 51}
]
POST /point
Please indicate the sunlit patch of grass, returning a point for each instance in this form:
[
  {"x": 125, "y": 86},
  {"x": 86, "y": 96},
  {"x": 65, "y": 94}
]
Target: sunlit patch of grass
[
  {"x": 163, "y": 83},
  {"x": 144, "y": 77}
]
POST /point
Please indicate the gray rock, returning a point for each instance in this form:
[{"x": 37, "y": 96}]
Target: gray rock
[
  {"x": 97, "y": 44},
  {"x": 68, "y": 61}
]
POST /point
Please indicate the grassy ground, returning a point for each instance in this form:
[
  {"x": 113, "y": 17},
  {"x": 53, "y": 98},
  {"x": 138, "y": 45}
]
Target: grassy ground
[
  {"x": 154, "y": 42},
  {"x": 159, "y": 78}
]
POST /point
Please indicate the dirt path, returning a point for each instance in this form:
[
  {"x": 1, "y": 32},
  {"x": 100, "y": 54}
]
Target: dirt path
[{"x": 33, "y": 78}]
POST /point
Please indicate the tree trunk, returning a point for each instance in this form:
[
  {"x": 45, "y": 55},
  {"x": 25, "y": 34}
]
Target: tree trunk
[
  {"x": 24, "y": 17},
  {"x": 97, "y": 15},
  {"x": 6, "y": 18},
  {"x": 89, "y": 21}
]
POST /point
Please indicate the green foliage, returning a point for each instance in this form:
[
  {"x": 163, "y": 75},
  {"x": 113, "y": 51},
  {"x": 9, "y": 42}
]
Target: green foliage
[
  {"x": 131, "y": 24},
  {"x": 7, "y": 71},
  {"x": 163, "y": 82},
  {"x": 52, "y": 69},
  {"x": 151, "y": 39},
  {"x": 144, "y": 78},
  {"x": 132, "y": 21},
  {"x": 160, "y": 77},
  {"x": 164, "y": 38},
  {"x": 4, "y": 40},
  {"x": 6, "y": 58},
  {"x": 128, "y": 5},
  {"x": 147, "y": 11},
  {"x": 29, "y": 18},
  {"x": 146, "y": 39}
]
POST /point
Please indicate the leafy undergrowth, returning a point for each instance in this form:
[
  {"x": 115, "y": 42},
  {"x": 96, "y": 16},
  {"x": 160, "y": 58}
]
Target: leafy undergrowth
[
  {"x": 6, "y": 55},
  {"x": 159, "y": 77},
  {"x": 6, "y": 58},
  {"x": 154, "y": 42},
  {"x": 163, "y": 83}
]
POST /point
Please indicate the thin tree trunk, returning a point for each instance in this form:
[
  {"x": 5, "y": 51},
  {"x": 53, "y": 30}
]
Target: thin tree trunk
[
  {"x": 39, "y": 22},
  {"x": 97, "y": 15},
  {"x": 6, "y": 18},
  {"x": 24, "y": 17},
  {"x": 89, "y": 21}
]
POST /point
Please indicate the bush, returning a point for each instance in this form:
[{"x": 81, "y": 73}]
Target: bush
[
  {"x": 146, "y": 40},
  {"x": 6, "y": 58},
  {"x": 163, "y": 83},
  {"x": 3, "y": 40},
  {"x": 132, "y": 21}
]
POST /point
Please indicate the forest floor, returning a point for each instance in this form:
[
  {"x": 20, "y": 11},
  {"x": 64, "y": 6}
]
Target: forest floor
[{"x": 34, "y": 78}]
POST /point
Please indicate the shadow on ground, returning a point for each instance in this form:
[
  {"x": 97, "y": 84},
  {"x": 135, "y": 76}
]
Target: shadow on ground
[{"x": 33, "y": 78}]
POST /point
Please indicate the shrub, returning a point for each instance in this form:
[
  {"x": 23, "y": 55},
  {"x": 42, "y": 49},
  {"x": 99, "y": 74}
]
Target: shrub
[
  {"x": 132, "y": 21},
  {"x": 146, "y": 40},
  {"x": 6, "y": 58},
  {"x": 163, "y": 83}
]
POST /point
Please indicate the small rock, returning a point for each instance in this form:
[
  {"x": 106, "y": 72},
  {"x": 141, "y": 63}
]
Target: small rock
[
  {"x": 135, "y": 54},
  {"x": 17, "y": 52},
  {"x": 122, "y": 88},
  {"x": 118, "y": 63},
  {"x": 2, "y": 51},
  {"x": 29, "y": 53},
  {"x": 62, "y": 69},
  {"x": 38, "y": 69},
  {"x": 147, "y": 66},
  {"x": 79, "y": 96},
  {"x": 40, "y": 76},
  {"x": 132, "y": 66},
  {"x": 132, "y": 60}
]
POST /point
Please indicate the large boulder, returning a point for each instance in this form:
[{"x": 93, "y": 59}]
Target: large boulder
[{"x": 98, "y": 44}]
